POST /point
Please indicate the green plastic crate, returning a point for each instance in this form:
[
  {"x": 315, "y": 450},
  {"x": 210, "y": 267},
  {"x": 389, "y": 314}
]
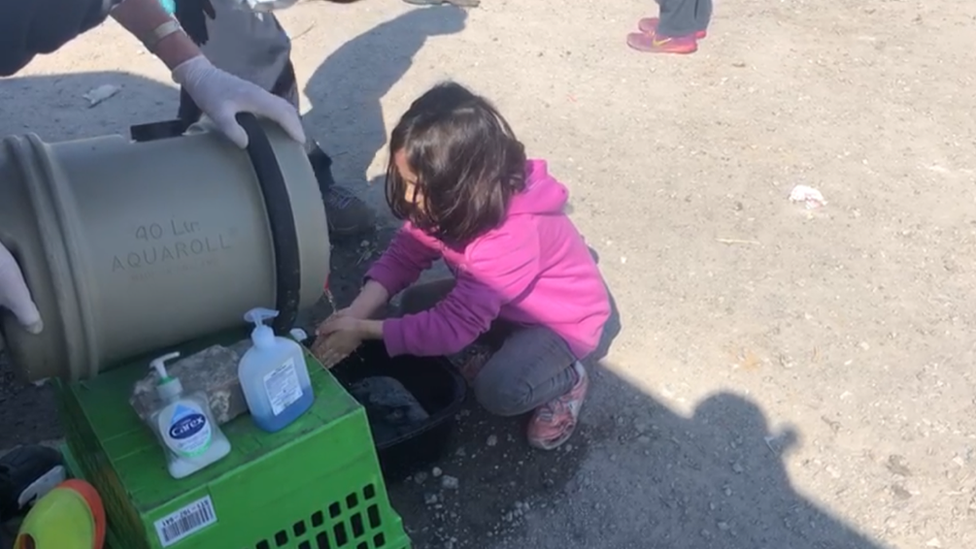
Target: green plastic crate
[{"x": 314, "y": 485}]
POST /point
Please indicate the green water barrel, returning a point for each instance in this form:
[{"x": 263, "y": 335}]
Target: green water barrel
[{"x": 129, "y": 247}]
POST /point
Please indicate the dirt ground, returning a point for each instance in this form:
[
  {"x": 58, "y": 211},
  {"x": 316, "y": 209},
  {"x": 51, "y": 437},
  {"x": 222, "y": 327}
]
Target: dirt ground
[{"x": 783, "y": 379}]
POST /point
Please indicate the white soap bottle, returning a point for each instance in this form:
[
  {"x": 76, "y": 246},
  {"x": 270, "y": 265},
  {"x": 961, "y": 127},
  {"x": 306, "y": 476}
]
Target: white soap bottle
[
  {"x": 273, "y": 375},
  {"x": 185, "y": 425}
]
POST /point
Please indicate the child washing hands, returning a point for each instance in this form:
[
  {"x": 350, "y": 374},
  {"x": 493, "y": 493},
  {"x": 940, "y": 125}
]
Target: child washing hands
[{"x": 523, "y": 276}]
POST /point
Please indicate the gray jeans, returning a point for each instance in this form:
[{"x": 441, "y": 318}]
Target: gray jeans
[
  {"x": 529, "y": 366},
  {"x": 684, "y": 17}
]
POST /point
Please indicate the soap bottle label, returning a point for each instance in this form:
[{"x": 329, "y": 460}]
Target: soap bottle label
[
  {"x": 282, "y": 386},
  {"x": 189, "y": 431}
]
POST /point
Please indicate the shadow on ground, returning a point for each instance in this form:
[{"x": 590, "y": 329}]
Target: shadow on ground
[
  {"x": 346, "y": 90},
  {"x": 635, "y": 475}
]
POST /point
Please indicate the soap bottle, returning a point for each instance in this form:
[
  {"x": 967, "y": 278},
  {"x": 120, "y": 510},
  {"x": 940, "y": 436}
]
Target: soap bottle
[
  {"x": 185, "y": 425},
  {"x": 273, "y": 375}
]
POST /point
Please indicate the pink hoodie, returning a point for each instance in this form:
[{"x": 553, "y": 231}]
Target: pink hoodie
[{"x": 533, "y": 269}]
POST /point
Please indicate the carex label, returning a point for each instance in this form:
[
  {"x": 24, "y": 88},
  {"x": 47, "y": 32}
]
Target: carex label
[{"x": 187, "y": 426}]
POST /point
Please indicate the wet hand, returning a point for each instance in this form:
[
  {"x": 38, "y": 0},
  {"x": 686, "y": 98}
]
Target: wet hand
[{"x": 337, "y": 338}]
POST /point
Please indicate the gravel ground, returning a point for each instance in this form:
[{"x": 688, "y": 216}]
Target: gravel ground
[{"x": 784, "y": 378}]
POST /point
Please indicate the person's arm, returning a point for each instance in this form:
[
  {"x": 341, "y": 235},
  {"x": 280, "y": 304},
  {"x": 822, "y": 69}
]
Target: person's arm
[
  {"x": 220, "y": 95},
  {"x": 401, "y": 264},
  {"x": 142, "y": 17},
  {"x": 498, "y": 271},
  {"x": 372, "y": 297}
]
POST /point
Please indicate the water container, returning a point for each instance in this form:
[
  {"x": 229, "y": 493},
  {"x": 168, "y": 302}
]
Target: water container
[{"x": 129, "y": 247}]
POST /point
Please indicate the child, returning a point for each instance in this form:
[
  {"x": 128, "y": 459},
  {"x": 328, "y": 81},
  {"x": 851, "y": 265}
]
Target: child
[
  {"x": 461, "y": 181},
  {"x": 681, "y": 25}
]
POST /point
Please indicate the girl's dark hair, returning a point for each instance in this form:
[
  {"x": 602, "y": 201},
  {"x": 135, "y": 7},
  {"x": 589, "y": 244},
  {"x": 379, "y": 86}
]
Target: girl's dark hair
[{"x": 467, "y": 161}]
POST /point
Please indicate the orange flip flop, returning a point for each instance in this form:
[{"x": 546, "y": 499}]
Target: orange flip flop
[{"x": 70, "y": 516}]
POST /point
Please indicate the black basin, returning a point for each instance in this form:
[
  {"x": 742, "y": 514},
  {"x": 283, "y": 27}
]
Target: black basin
[{"x": 436, "y": 385}]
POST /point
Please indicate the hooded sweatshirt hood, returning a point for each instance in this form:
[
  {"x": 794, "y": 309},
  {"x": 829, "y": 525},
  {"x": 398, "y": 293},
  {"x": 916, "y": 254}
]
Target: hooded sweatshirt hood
[{"x": 542, "y": 194}]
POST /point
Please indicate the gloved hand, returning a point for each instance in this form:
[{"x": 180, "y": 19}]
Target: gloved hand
[
  {"x": 221, "y": 95},
  {"x": 14, "y": 294}
]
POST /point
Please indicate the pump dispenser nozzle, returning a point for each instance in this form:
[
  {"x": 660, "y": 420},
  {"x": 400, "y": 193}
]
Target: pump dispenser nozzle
[
  {"x": 166, "y": 387},
  {"x": 262, "y": 336}
]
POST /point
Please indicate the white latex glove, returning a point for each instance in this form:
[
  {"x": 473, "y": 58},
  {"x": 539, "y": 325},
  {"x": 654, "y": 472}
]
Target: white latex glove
[
  {"x": 14, "y": 294},
  {"x": 221, "y": 95}
]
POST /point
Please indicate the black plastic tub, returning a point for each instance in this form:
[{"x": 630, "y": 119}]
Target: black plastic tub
[{"x": 438, "y": 388}]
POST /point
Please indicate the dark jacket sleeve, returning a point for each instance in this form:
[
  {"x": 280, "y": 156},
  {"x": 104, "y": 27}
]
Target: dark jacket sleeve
[{"x": 32, "y": 27}]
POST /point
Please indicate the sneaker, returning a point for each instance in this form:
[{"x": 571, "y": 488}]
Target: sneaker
[
  {"x": 648, "y": 25},
  {"x": 553, "y": 423},
  {"x": 652, "y": 43},
  {"x": 27, "y": 473},
  {"x": 346, "y": 213}
]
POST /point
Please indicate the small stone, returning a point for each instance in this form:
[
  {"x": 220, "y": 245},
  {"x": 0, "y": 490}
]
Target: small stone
[
  {"x": 460, "y": 452},
  {"x": 449, "y": 483},
  {"x": 492, "y": 440},
  {"x": 934, "y": 542},
  {"x": 896, "y": 464},
  {"x": 430, "y": 499},
  {"x": 437, "y": 472},
  {"x": 420, "y": 477},
  {"x": 864, "y": 345},
  {"x": 706, "y": 534},
  {"x": 738, "y": 468},
  {"x": 569, "y": 448},
  {"x": 722, "y": 525},
  {"x": 644, "y": 439},
  {"x": 728, "y": 491}
]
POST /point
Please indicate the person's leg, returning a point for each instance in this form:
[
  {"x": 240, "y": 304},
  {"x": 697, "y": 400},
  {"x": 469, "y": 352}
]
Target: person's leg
[
  {"x": 677, "y": 18},
  {"x": 703, "y": 16},
  {"x": 534, "y": 370},
  {"x": 255, "y": 47},
  {"x": 703, "y": 12}
]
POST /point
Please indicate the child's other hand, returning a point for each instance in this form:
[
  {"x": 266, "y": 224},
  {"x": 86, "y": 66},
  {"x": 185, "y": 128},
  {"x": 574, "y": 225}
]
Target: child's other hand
[{"x": 337, "y": 338}]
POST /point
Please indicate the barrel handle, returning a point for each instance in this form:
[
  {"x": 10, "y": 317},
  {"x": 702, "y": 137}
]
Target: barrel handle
[{"x": 281, "y": 218}]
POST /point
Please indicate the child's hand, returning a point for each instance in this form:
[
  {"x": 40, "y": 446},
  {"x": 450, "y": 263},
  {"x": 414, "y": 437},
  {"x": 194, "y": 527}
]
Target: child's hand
[{"x": 337, "y": 338}]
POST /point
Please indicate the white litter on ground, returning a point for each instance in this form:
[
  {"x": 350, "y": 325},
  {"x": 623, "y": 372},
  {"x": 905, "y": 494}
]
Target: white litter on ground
[{"x": 811, "y": 198}]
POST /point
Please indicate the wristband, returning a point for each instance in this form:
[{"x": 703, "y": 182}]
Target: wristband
[{"x": 162, "y": 31}]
